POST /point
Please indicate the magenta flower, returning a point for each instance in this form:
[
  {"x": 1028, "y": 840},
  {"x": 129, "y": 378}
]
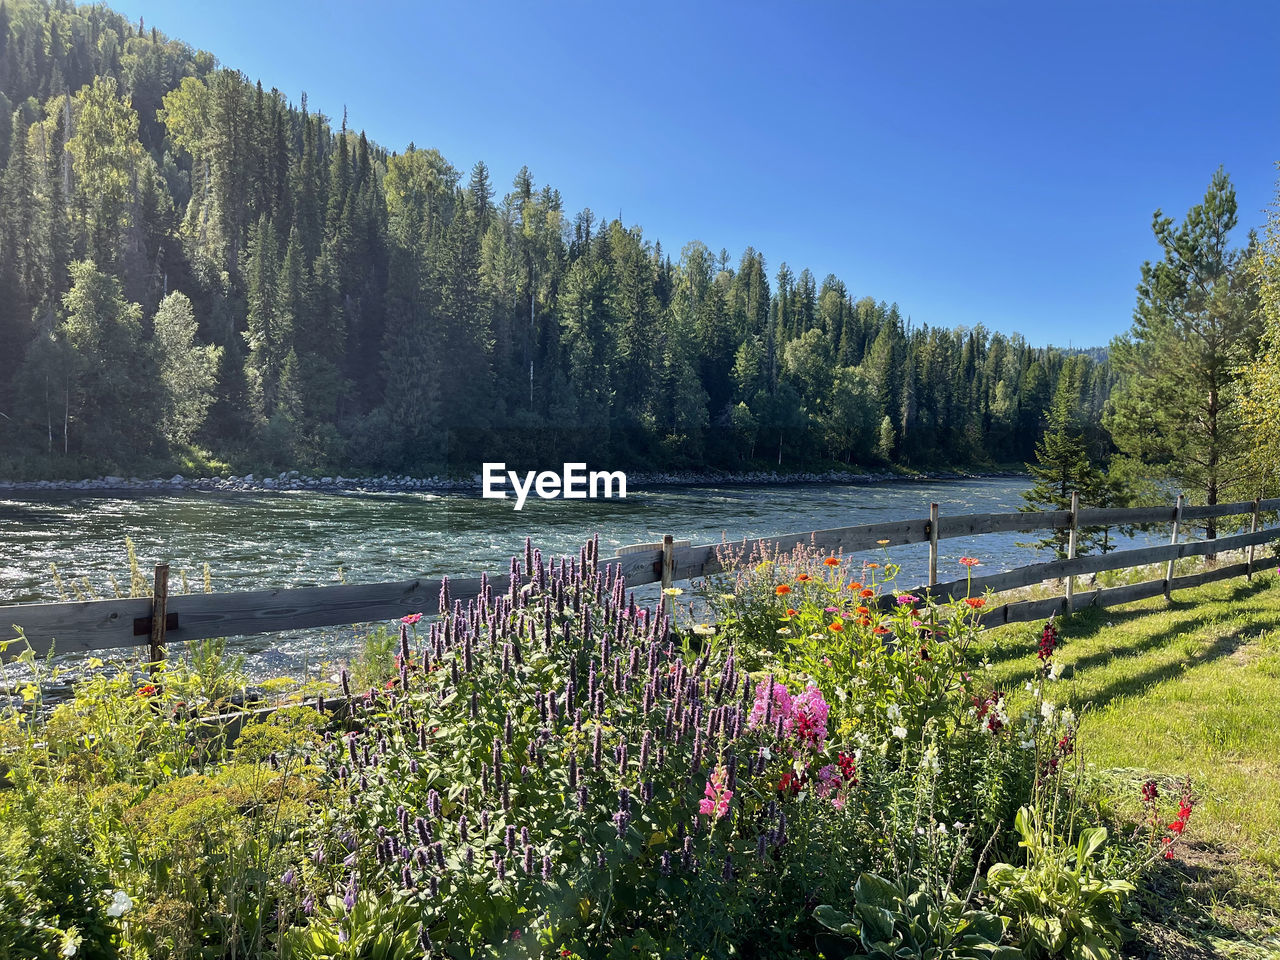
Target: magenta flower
[
  {"x": 809, "y": 716},
  {"x": 716, "y": 802},
  {"x": 779, "y": 705},
  {"x": 411, "y": 618}
]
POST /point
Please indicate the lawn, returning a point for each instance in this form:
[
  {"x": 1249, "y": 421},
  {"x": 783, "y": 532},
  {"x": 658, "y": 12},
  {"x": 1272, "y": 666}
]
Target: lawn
[{"x": 1188, "y": 688}]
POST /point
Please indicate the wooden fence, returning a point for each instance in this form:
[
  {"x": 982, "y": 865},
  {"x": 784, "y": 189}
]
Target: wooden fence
[{"x": 92, "y": 625}]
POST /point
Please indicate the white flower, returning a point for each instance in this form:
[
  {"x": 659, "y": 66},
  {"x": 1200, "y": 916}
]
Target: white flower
[
  {"x": 942, "y": 828},
  {"x": 704, "y": 630},
  {"x": 1028, "y": 686},
  {"x": 120, "y": 905},
  {"x": 1068, "y": 717},
  {"x": 860, "y": 709},
  {"x": 69, "y": 946},
  {"x": 1055, "y": 671},
  {"x": 900, "y": 732},
  {"x": 1027, "y": 744},
  {"x": 784, "y": 632},
  {"x": 1046, "y": 710},
  {"x": 959, "y": 825},
  {"x": 893, "y": 712}
]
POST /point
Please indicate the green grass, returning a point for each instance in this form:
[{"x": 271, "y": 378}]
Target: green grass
[{"x": 1185, "y": 688}]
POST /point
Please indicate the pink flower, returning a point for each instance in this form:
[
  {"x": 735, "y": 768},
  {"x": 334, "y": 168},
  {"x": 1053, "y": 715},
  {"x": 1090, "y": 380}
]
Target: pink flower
[
  {"x": 411, "y": 618},
  {"x": 831, "y": 609},
  {"x": 780, "y": 706},
  {"x": 810, "y": 713},
  {"x": 906, "y": 599},
  {"x": 717, "y": 797},
  {"x": 828, "y": 778}
]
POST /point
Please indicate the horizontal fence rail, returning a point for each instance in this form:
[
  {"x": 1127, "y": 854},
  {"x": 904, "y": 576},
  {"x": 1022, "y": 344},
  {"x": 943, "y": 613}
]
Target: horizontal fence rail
[{"x": 93, "y": 625}]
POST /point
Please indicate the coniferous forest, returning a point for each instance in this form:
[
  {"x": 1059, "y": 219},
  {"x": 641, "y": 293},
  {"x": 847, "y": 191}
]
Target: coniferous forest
[{"x": 196, "y": 269}]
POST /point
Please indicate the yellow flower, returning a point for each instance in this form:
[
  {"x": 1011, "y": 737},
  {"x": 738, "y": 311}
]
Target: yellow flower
[{"x": 673, "y": 591}]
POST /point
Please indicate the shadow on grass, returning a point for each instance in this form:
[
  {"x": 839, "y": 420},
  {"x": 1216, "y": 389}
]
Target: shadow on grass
[
  {"x": 1091, "y": 621},
  {"x": 1209, "y": 897},
  {"x": 1222, "y": 646}
]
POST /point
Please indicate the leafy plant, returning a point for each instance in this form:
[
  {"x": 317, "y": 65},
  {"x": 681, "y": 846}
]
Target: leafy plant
[
  {"x": 1061, "y": 904},
  {"x": 890, "y": 921}
]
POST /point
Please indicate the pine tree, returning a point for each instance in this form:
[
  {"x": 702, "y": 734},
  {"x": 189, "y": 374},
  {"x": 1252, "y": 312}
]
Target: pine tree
[
  {"x": 1063, "y": 467},
  {"x": 1177, "y": 407}
]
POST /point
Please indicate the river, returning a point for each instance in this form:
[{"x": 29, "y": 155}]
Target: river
[{"x": 261, "y": 540}]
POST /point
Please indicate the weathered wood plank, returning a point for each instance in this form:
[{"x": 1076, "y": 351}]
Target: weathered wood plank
[
  {"x": 973, "y": 524},
  {"x": 103, "y": 624},
  {"x": 1031, "y": 574},
  {"x": 1217, "y": 510},
  {"x": 1112, "y": 516}
]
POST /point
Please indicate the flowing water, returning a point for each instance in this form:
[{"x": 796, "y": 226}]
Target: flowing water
[{"x": 261, "y": 540}]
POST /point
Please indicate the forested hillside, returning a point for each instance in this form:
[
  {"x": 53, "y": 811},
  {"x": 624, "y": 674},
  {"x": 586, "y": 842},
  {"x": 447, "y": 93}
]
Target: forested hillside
[{"x": 191, "y": 261}]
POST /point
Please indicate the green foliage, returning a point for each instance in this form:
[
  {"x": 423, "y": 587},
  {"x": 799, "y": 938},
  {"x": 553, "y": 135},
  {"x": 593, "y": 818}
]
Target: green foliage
[
  {"x": 1177, "y": 409},
  {"x": 1261, "y": 374},
  {"x": 1062, "y": 903},
  {"x": 891, "y": 920},
  {"x": 364, "y": 309}
]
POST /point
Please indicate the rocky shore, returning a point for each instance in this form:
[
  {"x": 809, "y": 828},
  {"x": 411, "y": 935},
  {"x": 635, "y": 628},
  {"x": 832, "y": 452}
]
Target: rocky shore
[{"x": 293, "y": 480}]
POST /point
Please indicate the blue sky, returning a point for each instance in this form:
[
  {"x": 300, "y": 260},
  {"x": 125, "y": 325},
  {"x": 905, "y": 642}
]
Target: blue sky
[{"x": 977, "y": 162}]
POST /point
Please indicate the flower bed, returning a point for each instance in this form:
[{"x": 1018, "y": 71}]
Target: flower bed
[{"x": 554, "y": 771}]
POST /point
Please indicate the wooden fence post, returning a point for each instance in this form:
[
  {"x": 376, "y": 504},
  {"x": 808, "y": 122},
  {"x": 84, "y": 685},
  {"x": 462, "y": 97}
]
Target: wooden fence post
[
  {"x": 159, "y": 603},
  {"x": 1168, "y": 573},
  {"x": 1253, "y": 528},
  {"x": 1071, "y": 545},
  {"x": 933, "y": 544},
  {"x": 668, "y": 562}
]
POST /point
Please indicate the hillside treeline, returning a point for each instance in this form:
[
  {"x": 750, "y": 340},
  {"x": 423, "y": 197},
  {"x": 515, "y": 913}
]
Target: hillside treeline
[{"x": 189, "y": 261}]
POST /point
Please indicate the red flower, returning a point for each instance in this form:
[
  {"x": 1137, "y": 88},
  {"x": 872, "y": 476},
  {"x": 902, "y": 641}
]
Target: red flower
[
  {"x": 147, "y": 690},
  {"x": 831, "y": 562},
  {"x": 803, "y": 578},
  {"x": 969, "y": 561},
  {"x": 782, "y": 589},
  {"x": 976, "y": 602},
  {"x": 867, "y": 593}
]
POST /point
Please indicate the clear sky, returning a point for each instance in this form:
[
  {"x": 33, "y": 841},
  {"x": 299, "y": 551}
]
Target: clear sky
[{"x": 977, "y": 162}]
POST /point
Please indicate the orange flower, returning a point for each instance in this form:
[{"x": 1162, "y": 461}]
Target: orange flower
[
  {"x": 146, "y": 690},
  {"x": 864, "y": 621},
  {"x": 836, "y": 627},
  {"x": 976, "y": 602},
  {"x": 782, "y": 589},
  {"x": 867, "y": 593},
  {"x": 831, "y": 562},
  {"x": 790, "y": 612},
  {"x": 873, "y": 565},
  {"x": 803, "y": 578},
  {"x": 880, "y": 631},
  {"x": 855, "y": 585},
  {"x": 969, "y": 561},
  {"x": 864, "y": 610}
]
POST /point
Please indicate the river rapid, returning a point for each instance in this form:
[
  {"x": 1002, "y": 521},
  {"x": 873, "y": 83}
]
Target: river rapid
[{"x": 258, "y": 540}]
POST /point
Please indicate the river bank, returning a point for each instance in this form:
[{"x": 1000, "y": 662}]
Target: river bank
[{"x": 293, "y": 480}]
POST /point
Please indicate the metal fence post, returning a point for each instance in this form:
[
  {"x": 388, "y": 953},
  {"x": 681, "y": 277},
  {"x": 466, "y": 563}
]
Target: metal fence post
[
  {"x": 1168, "y": 574},
  {"x": 1071, "y": 545},
  {"x": 1253, "y": 528}
]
